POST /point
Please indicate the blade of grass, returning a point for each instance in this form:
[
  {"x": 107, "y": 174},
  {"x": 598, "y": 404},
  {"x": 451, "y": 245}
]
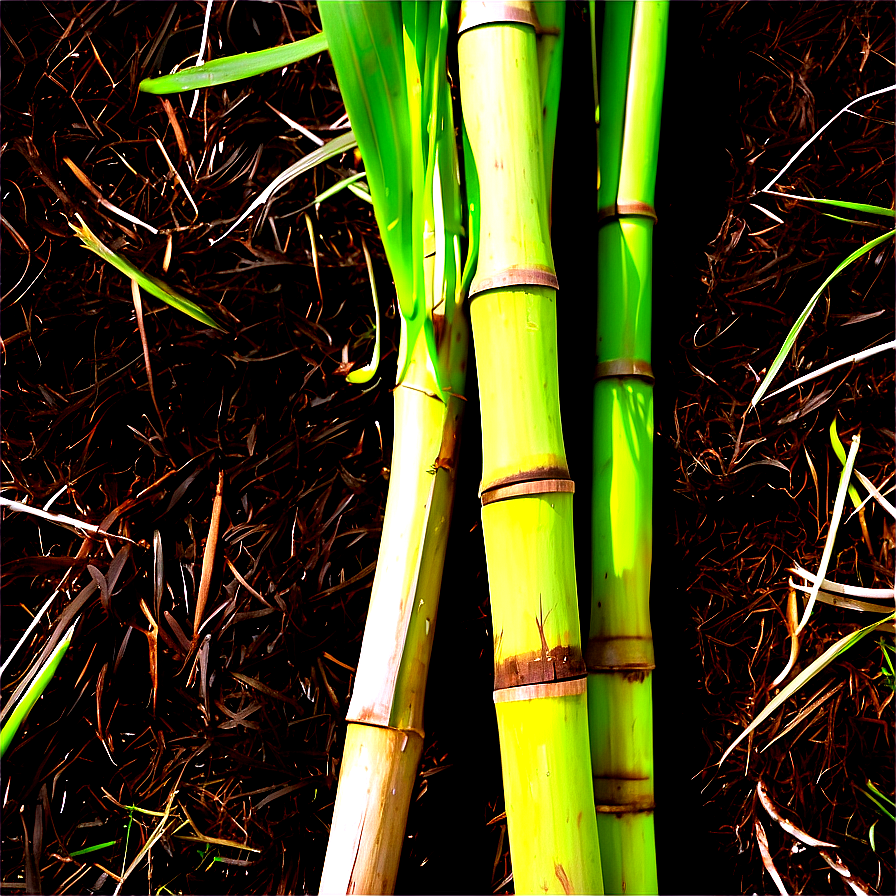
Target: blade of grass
[
  {"x": 818, "y": 133},
  {"x": 851, "y": 359},
  {"x": 807, "y": 675},
  {"x": 235, "y": 68},
  {"x": 334, "y": 147},
  {"x": 837, "y": 588},
  {"x": 34, "y": 691},
  {"x": 153, "y": 286},
  {"x": 841, "y": 203},
  {"x": 837, "y": 445},
  {"x": 832, "y": 531},
  {"x": 804, "y": 316}
]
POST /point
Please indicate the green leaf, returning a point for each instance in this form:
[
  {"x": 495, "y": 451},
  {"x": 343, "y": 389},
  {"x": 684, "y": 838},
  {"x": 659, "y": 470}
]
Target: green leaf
[
  {"x": 331, "y": 148},
  {"x": 235, "y": 68},
  {"x": 89, "y": 849},
  {"x": 804, "y": 315},
  {"x": 841, "y": 203},
  {"x": 153, "y": 286},
  {"x": 34, "y": 691},
  {"x": 840, "y": 451},
  {"x": 807, "y": 675},
  {"x": 365, "y": 374}
]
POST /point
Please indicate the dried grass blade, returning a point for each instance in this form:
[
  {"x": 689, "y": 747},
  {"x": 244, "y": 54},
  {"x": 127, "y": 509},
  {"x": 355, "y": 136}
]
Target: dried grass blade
[
  {"x": 334, "y": 147},
  {"x": 837, "y": 588},
  {"x": 762, "y": 840},
  {"x": 804, "y": 315},
  {"x": 851, "y": 359},
  {"x": 806, "y": 675},
  {"x": 772, "y": 810},
  {"x": 208, "y": 557},
  {"x": 832, "y": 531}
]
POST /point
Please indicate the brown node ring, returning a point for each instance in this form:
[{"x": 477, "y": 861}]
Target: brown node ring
[
  {"x": 620, "y": 367},
  {"x": 515, "y": 276},
  {"x": 477, "y": 12},
  {"x": 626, "y": 208},
  {"x": 566, "y": 687},
  {"x": 521, "y": 489}
]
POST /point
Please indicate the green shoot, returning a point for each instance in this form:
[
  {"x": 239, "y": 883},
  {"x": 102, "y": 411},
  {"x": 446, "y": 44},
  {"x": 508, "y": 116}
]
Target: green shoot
[
  {"x": 840, "y": 451},
  {"x": 807, "y": 675},
  {"x": 338, "y": 188},
  {"x": 889, "y": 674},
  {"x": 235, "y": 68},
  {"x": 153, "y": 286},
  {"x": 89, "y": 849},
  {"x": 842, "y": 203},
  {"x": 34, "y": 691},
  {"x": 365, "y": 374},
  {"x": 804, "y": 315},
  {"x": 881, "y": 800}
]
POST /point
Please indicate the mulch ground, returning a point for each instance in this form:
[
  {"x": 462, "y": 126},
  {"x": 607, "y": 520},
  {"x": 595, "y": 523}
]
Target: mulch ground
[{"x": 238, "y": 736}]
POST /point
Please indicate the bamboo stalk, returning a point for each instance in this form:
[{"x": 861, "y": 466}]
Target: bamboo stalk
[
  {"x": 619, "y": 654},
  {"x": 390, "y": 63},
  {"x": 526, "y": 490}
]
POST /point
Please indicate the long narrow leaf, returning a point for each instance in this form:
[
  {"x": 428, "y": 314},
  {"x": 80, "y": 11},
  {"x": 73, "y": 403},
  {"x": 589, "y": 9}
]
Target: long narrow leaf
[
  {"x": 805, "y": 676},
  {"x": 35, "y": 689},
  {"x": 235, "y": 68},
  {"x": 365, "y": 374},
  {"x": 818, "y": 133},
  {"x": 832, "y": 531},
  {"x": 841, "y": 203},
  {"x": 153, "y": 286},
  {"x": 334, "y": 147},
  {"x": 804, "y": 316}
]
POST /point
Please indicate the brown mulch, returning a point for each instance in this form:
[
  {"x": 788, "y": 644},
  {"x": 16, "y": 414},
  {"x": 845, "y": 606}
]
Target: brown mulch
[{"x": 239, "y": 736}]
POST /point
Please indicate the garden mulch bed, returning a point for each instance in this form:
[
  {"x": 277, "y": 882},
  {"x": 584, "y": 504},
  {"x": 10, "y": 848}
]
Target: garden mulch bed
[{"x": 238, "y": 737}]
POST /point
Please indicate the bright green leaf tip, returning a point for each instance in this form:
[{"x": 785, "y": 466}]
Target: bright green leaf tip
[
  {"x": 235, "y": 68},
  {"x": 34, "y": 691},
  {"x": 153, "y": 286}
]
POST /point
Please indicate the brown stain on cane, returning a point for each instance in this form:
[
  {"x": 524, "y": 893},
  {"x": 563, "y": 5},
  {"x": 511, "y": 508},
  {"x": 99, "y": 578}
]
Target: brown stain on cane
[{"x": 562, "y": 876}]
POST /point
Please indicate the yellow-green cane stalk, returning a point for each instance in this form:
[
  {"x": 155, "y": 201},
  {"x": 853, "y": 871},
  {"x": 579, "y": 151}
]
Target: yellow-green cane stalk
[
  {"x": 619, "y": 654},
  {"x": 390, "y": 62},
  {"x": 526, "y": 489}
]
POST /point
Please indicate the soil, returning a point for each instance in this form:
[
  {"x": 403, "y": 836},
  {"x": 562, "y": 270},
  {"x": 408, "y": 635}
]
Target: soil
[{"x": 239, "y": 734}]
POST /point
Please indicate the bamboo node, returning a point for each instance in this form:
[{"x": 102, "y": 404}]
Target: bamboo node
[
  {"x": 490, "y": 13},
  {"x": 566, "y": 688},
  {"x": 626, "y": 208},
  {"x": 522, "y": 489},
  {"x": 631, "y": 809},
  {"x": 620, "y": 367},
  {"x": 535, "y": 667},
  {"x": 518, "y": 275},
  {"x": 632, "y": 654}
]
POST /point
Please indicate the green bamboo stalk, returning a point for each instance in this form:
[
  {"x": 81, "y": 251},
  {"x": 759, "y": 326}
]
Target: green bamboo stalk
[
  {"x": 390, "y": 64},
  {"x": 619, "y": 654},
  {"x": 526, "y": 490}
]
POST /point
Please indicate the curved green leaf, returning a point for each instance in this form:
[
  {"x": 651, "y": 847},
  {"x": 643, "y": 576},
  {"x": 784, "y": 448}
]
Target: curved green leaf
[
  {"x": 807, "y": 675},
  {"x": 35, "y": 689},
  {"x": 804, "y": 315},
  {"x": 152, "y": 285},
  {"x": 235, "y": 68}
]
